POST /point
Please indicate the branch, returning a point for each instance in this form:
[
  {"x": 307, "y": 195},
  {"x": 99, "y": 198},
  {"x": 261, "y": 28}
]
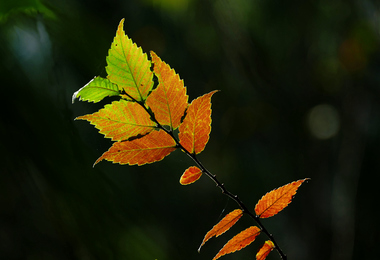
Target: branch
[{"x": 216, "y": 181}]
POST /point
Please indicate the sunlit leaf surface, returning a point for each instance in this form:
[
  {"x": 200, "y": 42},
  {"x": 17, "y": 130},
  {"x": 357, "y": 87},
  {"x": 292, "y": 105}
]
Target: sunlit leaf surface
[
  {"x": 169, "y": 100},
  {"x": 121, "y": 120},
  {"x": 239, "y": 241},
  {"x": 150, "y": 148},
  {"x": 194, "y": 132},
  {"x": 225, "y": 224},
  {"x": 129, "y": 67},
  {"x": 276, "y": 200}
]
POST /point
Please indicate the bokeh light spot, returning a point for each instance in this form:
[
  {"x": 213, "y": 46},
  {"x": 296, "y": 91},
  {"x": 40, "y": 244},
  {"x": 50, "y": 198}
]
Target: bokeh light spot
[{"x": 323, "y": 121}]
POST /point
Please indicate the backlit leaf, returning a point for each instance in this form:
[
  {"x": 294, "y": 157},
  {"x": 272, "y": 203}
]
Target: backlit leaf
[
  {"x": 169, "y": 100},
  {"x": 129, "y": 67},
  {"x": 121, "y": 120},
  {"x": 97, "y": 89},
  {"x": 265, "y": 250},
  {"x": 191, "y": 175},
  {"x": 239, "y": 241},
  {"x": 150, "y": 148},
  {"x": 195, "y": 129},
  {"x": 276, "y": 200},
  {"x": 225, "y": 224}
]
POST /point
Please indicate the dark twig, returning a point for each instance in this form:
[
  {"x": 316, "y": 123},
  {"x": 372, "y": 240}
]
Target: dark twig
[{"x": 216, "y": 181}]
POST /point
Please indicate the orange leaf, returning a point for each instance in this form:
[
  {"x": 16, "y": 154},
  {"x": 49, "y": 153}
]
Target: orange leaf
[
  {"x": 121, "y": 120},
  {"x": 265, "y": 250},
  {"x": 191, "y": 175},
  {"x": 225, "y": 224},
  {"x": 150, "y": 148},
  {"x": 239, "y": 241},
  {"x": 169, "y": 100},
  {"x": 276, "y": 200},
  {"x": 196, "y": 127}
]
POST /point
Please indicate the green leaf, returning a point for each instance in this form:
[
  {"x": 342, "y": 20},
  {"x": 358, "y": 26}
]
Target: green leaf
[
  {"x": 97, "y": 89},
  {"x": 129, "y": 67}
]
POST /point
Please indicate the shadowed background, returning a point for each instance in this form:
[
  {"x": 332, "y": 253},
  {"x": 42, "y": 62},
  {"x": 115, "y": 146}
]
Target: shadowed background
[{"x": 300, "y": 97}]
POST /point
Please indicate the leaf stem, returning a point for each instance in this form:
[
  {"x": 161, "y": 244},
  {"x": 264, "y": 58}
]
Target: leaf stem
[{"x": 216, "y": 181}]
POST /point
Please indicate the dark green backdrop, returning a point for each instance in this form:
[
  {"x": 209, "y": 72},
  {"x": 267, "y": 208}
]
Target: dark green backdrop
[{"x": 300, "y": 97}]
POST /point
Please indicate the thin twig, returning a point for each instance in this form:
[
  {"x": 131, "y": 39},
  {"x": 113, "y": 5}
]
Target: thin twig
[{"x": 216, "y": 181}]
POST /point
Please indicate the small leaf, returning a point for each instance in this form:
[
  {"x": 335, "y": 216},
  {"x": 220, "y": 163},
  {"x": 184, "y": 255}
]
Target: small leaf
[
  {"x": 169, "y": 100},
  {"x": 191, "y": 175},
  {"x": 239, "y": 241},
  {"x": 265, "y": 250},
  {"x": 225, "y": 224},
  {"x": 196, "y": 127},
  {"x": 121, "y": 120},
  {"x": 276, "y": 200},
  {"x": 150, "y": 148},
  {"x": 95, "y": 90},
  {"x": 129, "y": 67}
]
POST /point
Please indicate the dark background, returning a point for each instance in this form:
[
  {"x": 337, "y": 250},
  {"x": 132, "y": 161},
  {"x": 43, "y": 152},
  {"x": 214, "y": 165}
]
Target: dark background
[{"x": 300, "y": 97}]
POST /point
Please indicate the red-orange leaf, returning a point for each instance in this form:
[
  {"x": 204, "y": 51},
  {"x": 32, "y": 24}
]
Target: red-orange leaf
[
  {"x": 225, "y": 224},
  {"x": 276, "y": 200},
  {"x": 169, "y": 100},
  {"x": 196, "y": 127},
  {"x": 121, "y": 120},
  {"x": 265, "y": 250},
  {"x": 239, "y": 241},
  {"x": 191, "y": 175},
  {"x": 150, "y": 148}
]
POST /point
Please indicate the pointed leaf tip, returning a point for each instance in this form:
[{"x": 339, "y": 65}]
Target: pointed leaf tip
[
  {"x": 276, "y": 200},
  {"x": 169, "y": 100},
  {"x": 223, "y": 225},
  {"x": 265, "y": 250},
  {"x": 238, "y": 242},
  {"x": 191, "y": 175},
  {"x": 128, "y": 66},
  {"x": 97, "y": 89},
  {"x": 121, "y": 120},
  {"x": 194, "y": 132},
  {"x": 150, "y": 148}
]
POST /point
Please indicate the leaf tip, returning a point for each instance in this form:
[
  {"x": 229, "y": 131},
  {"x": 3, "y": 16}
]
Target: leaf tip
[{"x": 74, "y": 96}]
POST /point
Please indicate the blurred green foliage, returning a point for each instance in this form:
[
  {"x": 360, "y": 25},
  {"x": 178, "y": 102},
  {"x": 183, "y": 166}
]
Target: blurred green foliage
[{"x": 300, "y": 97}]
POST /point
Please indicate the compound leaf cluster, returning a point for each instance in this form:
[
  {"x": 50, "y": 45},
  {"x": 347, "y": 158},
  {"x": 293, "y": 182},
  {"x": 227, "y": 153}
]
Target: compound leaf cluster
[{"x": 149, "y": 121}]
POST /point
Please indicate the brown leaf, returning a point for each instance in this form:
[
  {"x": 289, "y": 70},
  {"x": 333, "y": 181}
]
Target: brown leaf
[
  {"x": 276, "y": 200},
  {"x": 225, "y": 224},
  {"x": 239, "y": 241}
]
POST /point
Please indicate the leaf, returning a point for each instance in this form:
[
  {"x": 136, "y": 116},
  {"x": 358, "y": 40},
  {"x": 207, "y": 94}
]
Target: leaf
[
  {"x": 196, "y": 127},
  {"x": 276, "y": 200},
  {"x": 225, "y": 224},
  {"x": 129, "y": 67},
  {"x": 121, "y": 120},
  {"x": 97, "y": 89},
  {"x": 150, "y": 148},
  {"x": 265, "y": 250},
  {"x": 191, "y": 175},
  {"x": 169, "y": 100},
  {"x": 239, "y": 241}
]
